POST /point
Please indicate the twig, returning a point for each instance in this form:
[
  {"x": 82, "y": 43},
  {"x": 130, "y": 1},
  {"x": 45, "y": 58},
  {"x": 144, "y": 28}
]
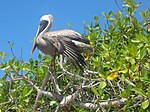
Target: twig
[
  {"x": 120, "y": 89},
  {"x": 75, "y": 75},
  {"x": 118, "y": 6},
  {"x": 111, "y": 86},
  {"x": 78, "y": 76},
  {"x": 91, "y": 85},
  {"x": 60, "y": 75},
  {"x": 54, "y": 82},
  {"x": 91, "y": 72},
  {"x": 129, "y": 82},
  {"x": 67, "y": 86}
]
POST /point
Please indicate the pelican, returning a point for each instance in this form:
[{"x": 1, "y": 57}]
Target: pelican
[{"x": 65, "y": 42}]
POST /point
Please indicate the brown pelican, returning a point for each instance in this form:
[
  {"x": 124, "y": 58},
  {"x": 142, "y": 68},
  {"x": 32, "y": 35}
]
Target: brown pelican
[{"x": 64, "y": 42}]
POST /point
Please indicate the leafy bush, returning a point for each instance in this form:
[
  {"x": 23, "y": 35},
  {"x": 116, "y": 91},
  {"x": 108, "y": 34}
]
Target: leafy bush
[{"x": 117, "y": 76}]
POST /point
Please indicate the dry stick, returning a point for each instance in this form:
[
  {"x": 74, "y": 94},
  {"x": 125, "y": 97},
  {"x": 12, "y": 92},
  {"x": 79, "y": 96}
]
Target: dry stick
[
  {"x": 48, "y": 94},
  {"x": 68, "y": 99},
  {"x": 91, "y": 72},
  {"x": 111, "y": 86},
  {"x": 55, "y": 83}
]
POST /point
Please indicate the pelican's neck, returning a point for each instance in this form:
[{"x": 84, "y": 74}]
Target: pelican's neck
[{"x": 46, "y": 29}]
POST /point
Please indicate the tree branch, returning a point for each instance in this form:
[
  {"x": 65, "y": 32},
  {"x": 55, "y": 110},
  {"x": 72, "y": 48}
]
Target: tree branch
[
  {"x": 110, "y": 103},
  {"x": 68, "y": 99},
  {"x": 54, "y": 82}
]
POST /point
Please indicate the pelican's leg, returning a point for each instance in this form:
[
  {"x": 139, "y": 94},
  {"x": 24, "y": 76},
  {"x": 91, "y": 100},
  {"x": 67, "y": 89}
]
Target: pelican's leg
[
  {"x": 53, "y": 78},
  {"x": 51, "y": 63},
  {"x": 61, "y": 61},
  {"x": 54, "y": 65}
]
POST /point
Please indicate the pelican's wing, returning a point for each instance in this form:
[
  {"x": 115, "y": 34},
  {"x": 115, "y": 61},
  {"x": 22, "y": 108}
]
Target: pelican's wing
[
  {"x": 73, "y": 35},
  {"x": 64, "y": 45}
]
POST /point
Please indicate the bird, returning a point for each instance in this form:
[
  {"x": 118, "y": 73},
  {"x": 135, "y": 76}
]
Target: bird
[{"x": 65, "y": 42}]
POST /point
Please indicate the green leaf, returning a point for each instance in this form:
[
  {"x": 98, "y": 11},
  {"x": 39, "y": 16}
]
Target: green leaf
[
  {"x": 6, "y": 67},
  {"x": 69, "y": 24},
  {"x": 11, "y": 44},
  {"x": 101, "y": 73},
  {"x": 96, "y": 18},
  {"x": 145, "y": 80},
  {"x": 102, "y": 85},
  {"x": 134, "y": 21},
  {"x": 145, "y": 104},
  {"x": 118, "y": 14},
  {"x": 96, "y": 61},
  {"x": 53, "y": 103},
  {"x": 26, "y": 100},
  {"x": 135, "y": 40},
  {"x": 139, "y": 91},
  {"x": 107, "y": 16},
  {"x": 29, "y": 92},
  {"x": 105, "y": 46},
  {"x": 31, "y": 63},
  {"x": 124, "y": 94},
  {"x": 132, "y": 49},
  {"x": 3, "y": 55},
  {"x": 148, "y": 93},
  {"x": 25, "y": 91},
  {"x": 143, "y": 14},
  {"x": 142, "y": 53},
  {"x": 95, "y": 91},
  {"x": 40, "y": 57},
  {"x": 142, "y": 37}
]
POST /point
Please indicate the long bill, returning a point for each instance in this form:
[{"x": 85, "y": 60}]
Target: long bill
[
  {"x": 34, "y": 44},
  {"x": 33, "y": 47}
]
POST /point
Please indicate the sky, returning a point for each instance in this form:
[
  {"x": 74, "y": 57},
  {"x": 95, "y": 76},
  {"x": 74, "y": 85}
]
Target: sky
[{"x": 19, "y": 19}]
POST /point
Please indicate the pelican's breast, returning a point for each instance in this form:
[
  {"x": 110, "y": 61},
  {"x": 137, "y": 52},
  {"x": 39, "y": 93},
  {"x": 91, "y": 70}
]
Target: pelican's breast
[{"x": 45, "y": 47}]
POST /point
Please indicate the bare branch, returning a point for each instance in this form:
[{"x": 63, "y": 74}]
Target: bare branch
[
  {"x": 111, "y": 86},
  {"x": 110, "y": 103},
  {"x": 129, "y": 82},
  {"x": 91, "y": 72},
  {"x": 54, "y": 82},
  {"x": 68, "y": 99},
  {"x": 78, "y": 76}
]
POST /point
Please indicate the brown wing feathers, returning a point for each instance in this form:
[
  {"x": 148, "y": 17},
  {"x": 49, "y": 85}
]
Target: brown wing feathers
[{"x": 73, "y": 53}]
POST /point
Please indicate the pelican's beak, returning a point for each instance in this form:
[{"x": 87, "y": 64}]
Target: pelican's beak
[
  {"x": 33, "y": 47},
  {"x": 34, "y": 44}
]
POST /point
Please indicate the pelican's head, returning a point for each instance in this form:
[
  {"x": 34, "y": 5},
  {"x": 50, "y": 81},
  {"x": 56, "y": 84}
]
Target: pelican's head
[{"x": 44, "y": 26}]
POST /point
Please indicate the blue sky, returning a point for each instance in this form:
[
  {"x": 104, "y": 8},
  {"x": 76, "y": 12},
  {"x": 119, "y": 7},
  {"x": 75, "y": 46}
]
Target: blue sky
[{"x": 19, "y": 20}]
